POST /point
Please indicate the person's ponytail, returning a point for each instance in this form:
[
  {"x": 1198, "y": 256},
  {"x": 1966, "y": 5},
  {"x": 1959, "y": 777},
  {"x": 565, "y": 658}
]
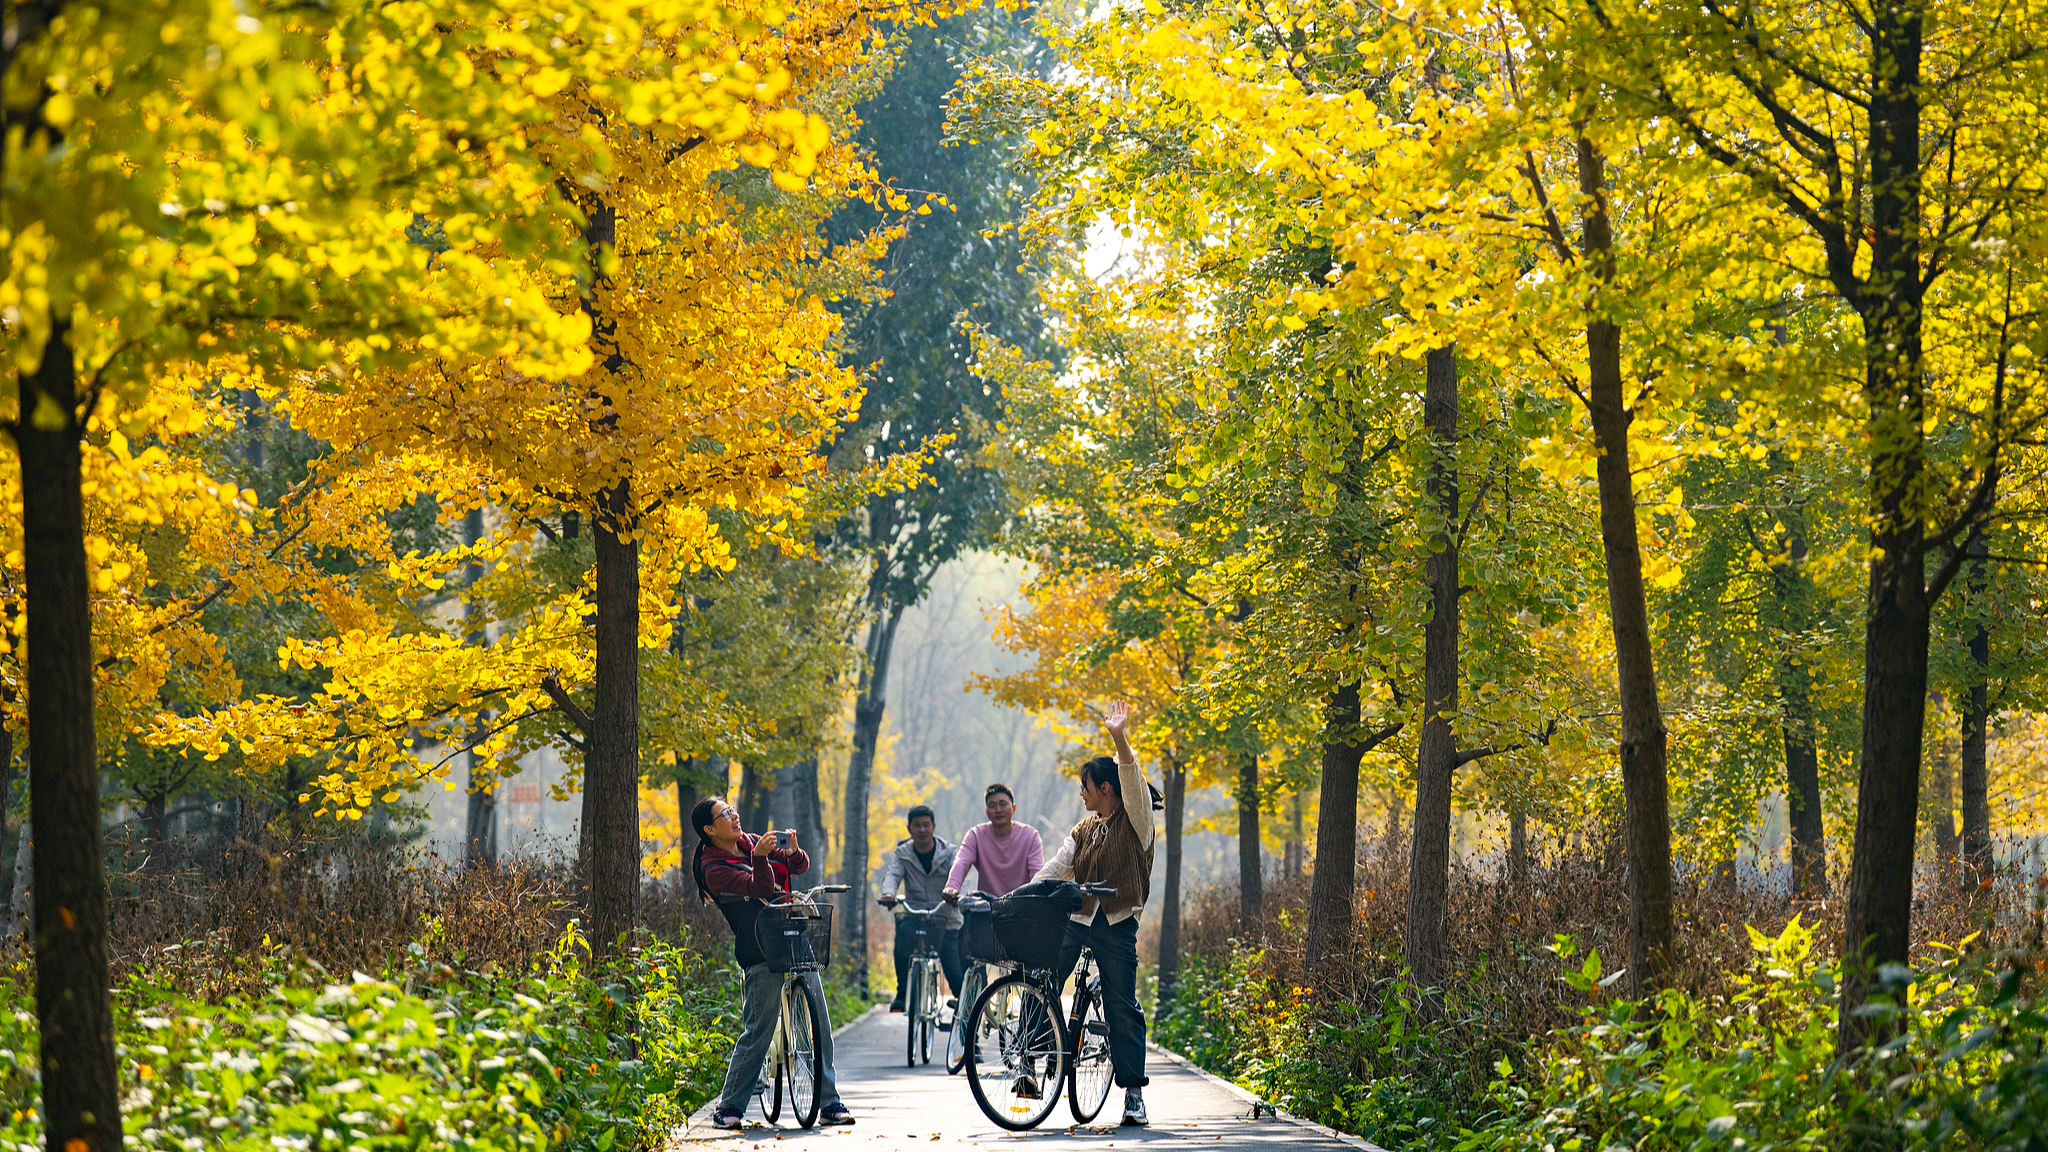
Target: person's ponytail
[{"x": 701, "y": 818}]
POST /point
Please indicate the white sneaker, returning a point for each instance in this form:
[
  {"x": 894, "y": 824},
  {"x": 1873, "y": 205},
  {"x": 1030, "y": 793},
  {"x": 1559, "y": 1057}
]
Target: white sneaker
[{"x": 1134, "y": 1106}]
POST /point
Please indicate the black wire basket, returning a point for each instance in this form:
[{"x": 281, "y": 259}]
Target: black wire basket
[
  {"x": 795, "y": 937},
  {"x": 978, "y": 937},
  {"x": 919, "y": 930},
  {"x": 1032, "y": 928}
]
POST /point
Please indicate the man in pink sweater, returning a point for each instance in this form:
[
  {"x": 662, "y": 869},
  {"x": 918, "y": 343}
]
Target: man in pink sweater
[{"x": 1008, "y": 854}]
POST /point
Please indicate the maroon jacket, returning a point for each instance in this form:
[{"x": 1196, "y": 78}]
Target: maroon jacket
[{"x": 741, "y": 885}]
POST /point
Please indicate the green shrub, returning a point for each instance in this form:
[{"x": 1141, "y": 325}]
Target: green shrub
[
  {"x": 563, "y": 1055},
  {"x": 1368, "y": 1065},
  {"x": 1754, "y": 1069}
]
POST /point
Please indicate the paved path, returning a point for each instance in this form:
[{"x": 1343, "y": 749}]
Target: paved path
[{"x": 899, "y": 1108}]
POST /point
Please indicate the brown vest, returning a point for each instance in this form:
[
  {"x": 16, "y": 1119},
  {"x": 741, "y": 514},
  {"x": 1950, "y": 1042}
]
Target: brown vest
[{"x": 1108, "y": 852}]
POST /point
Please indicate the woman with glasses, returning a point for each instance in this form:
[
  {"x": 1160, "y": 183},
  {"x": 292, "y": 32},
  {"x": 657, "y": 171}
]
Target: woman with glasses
[{"x": 743, "y": 874}]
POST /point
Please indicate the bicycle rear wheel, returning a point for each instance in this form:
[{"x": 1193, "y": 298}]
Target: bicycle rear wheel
[
  {"x": 1091, "y": 1072},
  {"x": 1016, "y": 1053},
  {"x": 807, "y": 1076},
  {"x": 771, "y": 1102},
  {"x": 956, "y": 1036}
]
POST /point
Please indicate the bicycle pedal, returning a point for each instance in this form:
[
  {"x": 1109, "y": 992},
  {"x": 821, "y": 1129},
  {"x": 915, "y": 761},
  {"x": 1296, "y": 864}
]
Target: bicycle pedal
[{"x": 1095, "y": 1029}]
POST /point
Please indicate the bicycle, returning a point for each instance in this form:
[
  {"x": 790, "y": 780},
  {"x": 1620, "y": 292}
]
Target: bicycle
[
  {"x": 921, "y": 997},
  {"x": 1017, "y": 1020},
  {"x": 796, "y": 936},
  {"x": 980, "y": 949}
]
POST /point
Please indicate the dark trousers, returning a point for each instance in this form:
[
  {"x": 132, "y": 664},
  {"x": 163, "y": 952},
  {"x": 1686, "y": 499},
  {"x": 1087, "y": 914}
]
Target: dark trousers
[
  {"x": 1115, "y": 947},
  {"x": 949, "y": 958}
]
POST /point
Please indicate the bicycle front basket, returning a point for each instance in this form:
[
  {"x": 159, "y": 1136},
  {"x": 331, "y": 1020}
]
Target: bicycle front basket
[
  {"x": 795, "y": 937},
  {"x": 1032, "y": 928},
  {"x": 918, "y": 929},
  {"x": 978, "y": 937}
]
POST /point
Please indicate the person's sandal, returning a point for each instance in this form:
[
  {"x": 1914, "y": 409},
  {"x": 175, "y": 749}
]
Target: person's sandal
[{"x": 835, "y": 1114}]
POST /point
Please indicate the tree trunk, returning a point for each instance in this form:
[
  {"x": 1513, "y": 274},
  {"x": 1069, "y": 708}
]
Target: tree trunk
[
  {"x": 1879, "y": 906},
  {"x": 480, "y": 835},
  {"x": 1976, "y": 777},
  {"x": 1394, "y": 840},
  {"x": 860, "y": 769},
  {"x": 1330, "y": 908},
  {"x": 1295, "y": 855},
  {"x": 1802, "y": 781},
  {"x": 1436, "y": 754},
  {"x": 686, "y": 837},
  {"x": 801, "y": 779},
  {"x": 753, "y": 799},
  {"x": 1643, "y": 740},
  {"x": 1518, "y": 844},
  {"x": 1947, "y": 861},
  {"x": 1251, "y": 888},
  {"x": 1169, "y": 898},
  {"x": 74, "y": 1013},
  {"x": 156, "y": 835},
  {"x": 1790, "y": 614},
  {"x": 6, "y": 801},
  {"x": 611, "y": 772},
  {"x": 21, "y": 906}
]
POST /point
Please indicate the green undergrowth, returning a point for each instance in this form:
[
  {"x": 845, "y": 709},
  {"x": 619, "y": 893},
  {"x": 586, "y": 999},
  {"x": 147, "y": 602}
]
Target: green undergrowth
[
  {"x": 1963, "y": 1065},
  {"x": 569, "y": 1054},
  {"x": 1369, "y": 1065}
]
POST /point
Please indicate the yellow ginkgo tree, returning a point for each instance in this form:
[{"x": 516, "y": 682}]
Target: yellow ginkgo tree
[{"x": 182, "y": 180}]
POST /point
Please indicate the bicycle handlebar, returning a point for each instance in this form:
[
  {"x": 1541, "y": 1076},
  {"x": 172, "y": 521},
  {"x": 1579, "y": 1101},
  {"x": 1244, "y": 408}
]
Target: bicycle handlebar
[
  {"x": 809, "y": 895},
  {"x": 914, "y": 910}
]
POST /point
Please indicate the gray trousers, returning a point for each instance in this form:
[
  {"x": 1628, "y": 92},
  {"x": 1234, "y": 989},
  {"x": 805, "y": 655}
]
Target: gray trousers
[{"x": 759, "y": 1010}]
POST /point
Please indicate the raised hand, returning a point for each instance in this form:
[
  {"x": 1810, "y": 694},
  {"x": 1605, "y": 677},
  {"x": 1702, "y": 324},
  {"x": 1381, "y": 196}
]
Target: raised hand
[{"x": 1119, "y": 717}]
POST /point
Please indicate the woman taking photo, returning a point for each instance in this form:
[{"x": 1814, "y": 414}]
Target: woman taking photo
[{"x": 743, "y": 874}]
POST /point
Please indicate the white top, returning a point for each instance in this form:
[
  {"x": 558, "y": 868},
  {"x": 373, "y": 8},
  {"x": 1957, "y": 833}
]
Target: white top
[{"x": 1137, "y": 809}]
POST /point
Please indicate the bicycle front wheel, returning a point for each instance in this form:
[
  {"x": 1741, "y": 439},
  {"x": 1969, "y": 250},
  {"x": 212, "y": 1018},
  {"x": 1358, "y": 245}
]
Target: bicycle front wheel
[
  {"x": 806, "y": 1075},
  {"x": 1091, "y": 1072},
  {"x": 956, "y": 1036},
  {"x": 927, "y": 1016},
  {"x": 913, "y": 1004},
  {"x": 1016, "y": 1053}
]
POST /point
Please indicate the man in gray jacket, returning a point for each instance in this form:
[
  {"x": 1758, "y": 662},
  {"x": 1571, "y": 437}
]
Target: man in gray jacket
[{"x": 918, "y": 869}]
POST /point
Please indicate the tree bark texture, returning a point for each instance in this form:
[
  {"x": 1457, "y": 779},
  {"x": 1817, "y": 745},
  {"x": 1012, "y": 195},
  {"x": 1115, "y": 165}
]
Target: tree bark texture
[
  {"x": 1436, "y": 756},
  {"x": 1975, "y": 776},
  {"x": 1176, "y": 795},
  {"x": 74, "y": 1013},
  {"x": 1879, "y": 905},
  {"x": 1330, "y": 909},
  {"x": 868, "y": 706},
  {"x": 611, "y": 772},
  {"x": 1643, "y": 739},
  {"x": 1251, "y": 889}
]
